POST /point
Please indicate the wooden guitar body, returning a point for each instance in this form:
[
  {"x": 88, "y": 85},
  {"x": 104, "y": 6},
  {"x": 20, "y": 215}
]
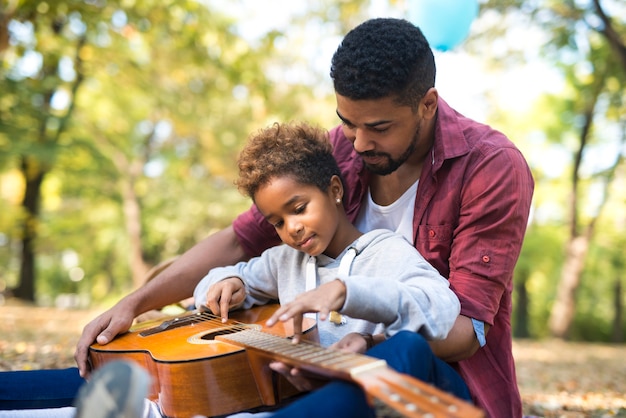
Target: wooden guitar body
[
  {"x": 201, "y": 366},
  {"x": 195, "y": 374}
]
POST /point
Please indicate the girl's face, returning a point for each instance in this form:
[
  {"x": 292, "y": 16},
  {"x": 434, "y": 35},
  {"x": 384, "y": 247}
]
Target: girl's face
[{"x": 305, "y": 217}]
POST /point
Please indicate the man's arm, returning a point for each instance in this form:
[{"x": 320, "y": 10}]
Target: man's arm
[
  {"x": 461, "y": 342},
  {"x": 173, "y": 284}
]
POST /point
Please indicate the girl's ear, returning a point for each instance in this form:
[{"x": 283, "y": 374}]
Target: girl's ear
[{"x": 336, "y": 189}]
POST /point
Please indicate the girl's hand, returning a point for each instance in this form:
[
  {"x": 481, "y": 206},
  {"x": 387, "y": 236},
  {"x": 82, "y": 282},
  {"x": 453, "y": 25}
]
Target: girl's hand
[
  {"x": 224, "y": 295},
  {"x": 324, "y": 299}
]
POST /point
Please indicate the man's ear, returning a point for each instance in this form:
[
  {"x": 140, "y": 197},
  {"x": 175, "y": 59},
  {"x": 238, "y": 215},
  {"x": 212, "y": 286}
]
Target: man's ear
[{"x": 428, "y": 104}]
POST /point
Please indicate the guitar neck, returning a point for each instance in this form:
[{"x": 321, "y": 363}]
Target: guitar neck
[{"x": 402, "y": 394}]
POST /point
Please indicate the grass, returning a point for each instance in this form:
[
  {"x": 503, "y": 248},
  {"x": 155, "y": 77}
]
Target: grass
[{"x": 557, "y": 379}]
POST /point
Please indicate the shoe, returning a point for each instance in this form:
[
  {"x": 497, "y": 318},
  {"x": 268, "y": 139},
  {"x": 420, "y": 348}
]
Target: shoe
[{"x": 117, "y": 390}]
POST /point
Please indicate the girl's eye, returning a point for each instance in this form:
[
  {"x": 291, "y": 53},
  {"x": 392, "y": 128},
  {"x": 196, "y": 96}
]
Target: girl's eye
[
  {"x": 278, "y": 224},
  {"x": 300, "y": 209}
]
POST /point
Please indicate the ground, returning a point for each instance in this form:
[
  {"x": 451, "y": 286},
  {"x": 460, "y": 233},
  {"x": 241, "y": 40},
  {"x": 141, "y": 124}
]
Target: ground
[{"x": 557, "y": 379}]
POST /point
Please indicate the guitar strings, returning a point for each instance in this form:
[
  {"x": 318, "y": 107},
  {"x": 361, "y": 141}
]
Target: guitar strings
[
  {"x": 237, "y": 326},
  {"x": 337, "y": 360},
  {"x": 215, "y": 320}
]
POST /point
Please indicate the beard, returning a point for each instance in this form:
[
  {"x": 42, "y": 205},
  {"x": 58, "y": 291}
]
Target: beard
[{"x": 391, "y": 164}]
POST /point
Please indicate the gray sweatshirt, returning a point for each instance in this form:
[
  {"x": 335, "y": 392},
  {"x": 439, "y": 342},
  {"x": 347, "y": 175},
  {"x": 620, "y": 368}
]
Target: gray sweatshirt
[{"x": 390, "y": 286}]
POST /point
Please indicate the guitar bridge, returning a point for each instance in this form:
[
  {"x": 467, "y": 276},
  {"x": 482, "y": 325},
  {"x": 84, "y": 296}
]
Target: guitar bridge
[{"x": 174, "y": 323}]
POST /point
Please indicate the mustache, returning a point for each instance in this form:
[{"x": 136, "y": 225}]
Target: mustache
[{"x": 371, "y": 154}]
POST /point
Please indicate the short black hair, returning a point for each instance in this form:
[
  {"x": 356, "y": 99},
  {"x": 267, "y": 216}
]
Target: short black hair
[{"x": 384, "y": 57}]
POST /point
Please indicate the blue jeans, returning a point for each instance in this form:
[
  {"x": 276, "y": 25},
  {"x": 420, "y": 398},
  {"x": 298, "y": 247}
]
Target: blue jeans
[
  {"x": 39, "y": 389},
  {"x": 406, "y": 352}
]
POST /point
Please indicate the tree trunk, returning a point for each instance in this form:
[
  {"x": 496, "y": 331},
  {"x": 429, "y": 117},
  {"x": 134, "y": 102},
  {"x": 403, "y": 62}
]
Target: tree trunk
[
  {"x": 132, "y": 217},
  {"x": 564, "y": 308},
  {"x": 521, "y": 310},
  {"x": 33, "y": 175},
  {"x": 129, "y": 170},
  {"x": 34, "y": 170},
  {"x": 617, "y": 336}
]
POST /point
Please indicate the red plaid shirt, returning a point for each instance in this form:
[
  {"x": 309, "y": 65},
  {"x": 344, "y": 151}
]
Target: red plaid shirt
[{"x": 471, "y": 211}]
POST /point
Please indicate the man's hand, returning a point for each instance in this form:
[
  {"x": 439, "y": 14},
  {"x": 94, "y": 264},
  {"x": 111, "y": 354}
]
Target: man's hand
[
  {"x": 352, "y": 343},
  {"x": 102, "y": 329},
  {"x": 297, "y": 377},
  {"x": 224, "y": 295}
]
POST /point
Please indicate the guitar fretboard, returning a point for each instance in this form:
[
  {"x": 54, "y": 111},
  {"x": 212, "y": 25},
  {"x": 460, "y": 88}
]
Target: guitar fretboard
[
  {"x": 394, "y": 395},
  {"x": 322, "y": 360}
]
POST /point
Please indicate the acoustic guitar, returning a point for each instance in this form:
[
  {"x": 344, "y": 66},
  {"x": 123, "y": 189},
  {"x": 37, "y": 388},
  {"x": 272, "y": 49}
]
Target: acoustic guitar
[{"x": 200, "y": 365}]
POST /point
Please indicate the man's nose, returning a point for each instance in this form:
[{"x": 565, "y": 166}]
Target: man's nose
[{"x": 361, "y": 141}]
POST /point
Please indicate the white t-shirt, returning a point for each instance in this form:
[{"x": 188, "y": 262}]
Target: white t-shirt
[{"x": 397, "y": 216}]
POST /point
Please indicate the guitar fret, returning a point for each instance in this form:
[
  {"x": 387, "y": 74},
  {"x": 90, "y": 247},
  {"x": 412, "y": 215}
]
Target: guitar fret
[
  {"x": 312, "y": 355},
  {"x": 306, "y": 352},
  {"x": 298, "y": 351},
  {"x": 434, "y": 399},
  {"x": 302, "y": 349},
  {"x": 319, "y": 358},
  {"x": 348, "y": 362}
]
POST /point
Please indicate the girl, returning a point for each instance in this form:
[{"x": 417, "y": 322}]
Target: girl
[{"x": 360, "y": 284}]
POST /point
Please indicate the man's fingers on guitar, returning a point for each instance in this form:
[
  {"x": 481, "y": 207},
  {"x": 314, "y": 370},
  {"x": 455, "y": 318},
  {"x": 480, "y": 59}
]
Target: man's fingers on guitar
[
  {"x": 80, "y": 357},
  {"x": 103, "y": 338},
  {"x": 280, "y": 367},
  {"x": 108, "y": 333}
]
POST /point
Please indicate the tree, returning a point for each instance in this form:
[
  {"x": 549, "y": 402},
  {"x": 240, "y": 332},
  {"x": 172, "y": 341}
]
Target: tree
[
  {"x": 124, "y": 56},
  {"x": 29, "y": 117},
  {"x": 155, "y": 100},
  {"x": 587, "y": 44}
]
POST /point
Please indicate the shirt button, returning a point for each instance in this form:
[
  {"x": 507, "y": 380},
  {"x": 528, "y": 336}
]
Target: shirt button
[
  {"x": 431, "y": 233},
  {"x": 486, "y": 259}
]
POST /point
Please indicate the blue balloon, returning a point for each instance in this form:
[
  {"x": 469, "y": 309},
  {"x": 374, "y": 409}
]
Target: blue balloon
[{"x": 445, "y": 23}]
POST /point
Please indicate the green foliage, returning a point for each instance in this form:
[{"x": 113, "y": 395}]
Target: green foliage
[
  {"x": 577, "y": 189},
  {"x": 148, "y": 102},
  {"x": 161, "y": 95}
]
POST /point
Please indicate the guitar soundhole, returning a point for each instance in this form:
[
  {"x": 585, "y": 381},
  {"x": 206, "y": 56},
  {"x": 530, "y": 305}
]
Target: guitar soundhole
[
  {"x": 225, "y": 331},
  {"x": 205, "y": 337}
]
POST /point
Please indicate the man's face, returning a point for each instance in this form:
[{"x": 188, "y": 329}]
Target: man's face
[{"x": 384, "y": 133}]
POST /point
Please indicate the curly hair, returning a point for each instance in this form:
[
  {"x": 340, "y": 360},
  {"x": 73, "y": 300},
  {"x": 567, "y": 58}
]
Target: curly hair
[
  {"x": 298, "y": 150},
  {"x": 384, "y": 57}
]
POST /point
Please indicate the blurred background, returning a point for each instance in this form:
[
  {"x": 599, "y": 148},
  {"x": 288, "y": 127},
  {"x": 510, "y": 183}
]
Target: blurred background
[{"x": 121, "y": 121}]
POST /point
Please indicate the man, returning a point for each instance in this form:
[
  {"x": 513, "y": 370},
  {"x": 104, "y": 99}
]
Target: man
[{"x": 459, "y": 190}]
